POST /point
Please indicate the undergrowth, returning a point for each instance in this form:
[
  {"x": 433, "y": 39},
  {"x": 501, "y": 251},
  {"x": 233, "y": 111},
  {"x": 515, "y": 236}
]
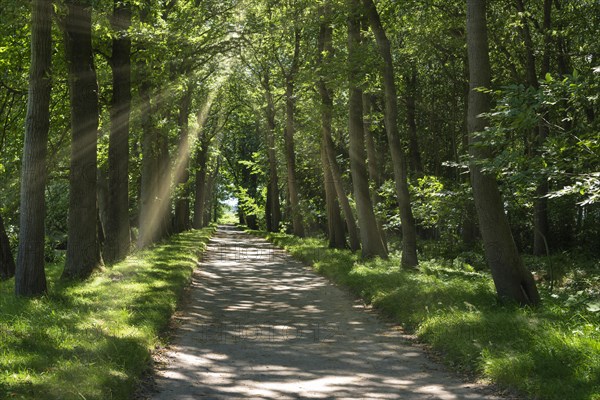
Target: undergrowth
[
  {"x": 550, "y": 352},
  {"x": 93, "y": 339}
]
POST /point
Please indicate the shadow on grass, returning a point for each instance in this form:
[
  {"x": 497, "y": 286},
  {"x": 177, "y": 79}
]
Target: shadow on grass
[
  {"x": 552, "y": 352},
  {"x": 92, "y": 339}
]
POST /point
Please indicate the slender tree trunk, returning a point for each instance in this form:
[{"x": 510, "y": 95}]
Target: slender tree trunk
[
  {"x": 290, "y": 156},
  {"x": 331, "y": 171},
  {"x": 200, "y": 186},
  {"x": 149, "y": 174},
  {"x": 165, "y": 180},
  {"x": 373, "y": 161},
  {"x": 409, "y": 232},
  {"x": 411, "y": 120},
  {"x": 290, "y": 129},
  {"x": 182, "y": 203},
  {"x": 513, "y": 281},
  {"x": 148, "y": 215},
  {"x": 7, "y": 262},
  {"x": 341, "y": 193},
  {"x": 118, "y": 238},
  {"x": 540, "y": 207},
  {"x": 30, "y": 277},
  {"x": 210, "y": 186},
  {"x": 273, "y": 204},
  {"x": 372, "y": 243},
  {"x": 83, "y": 250},
  {"x": 335, "y": 229}
]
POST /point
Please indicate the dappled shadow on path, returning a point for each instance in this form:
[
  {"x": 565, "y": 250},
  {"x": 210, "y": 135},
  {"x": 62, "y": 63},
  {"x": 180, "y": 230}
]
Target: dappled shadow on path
[{"x": 261, "y": 325}]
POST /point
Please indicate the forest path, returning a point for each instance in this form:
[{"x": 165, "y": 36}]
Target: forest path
[{"x": 259, "y": 324}]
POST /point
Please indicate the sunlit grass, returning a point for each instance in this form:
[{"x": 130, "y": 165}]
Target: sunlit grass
[
  {"x": 552, "y": 352},
  {"x": 92, "y": 340}
]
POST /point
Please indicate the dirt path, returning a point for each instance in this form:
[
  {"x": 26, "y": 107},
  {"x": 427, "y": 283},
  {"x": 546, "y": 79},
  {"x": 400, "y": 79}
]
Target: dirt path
[{"x": 261, "y": 325}]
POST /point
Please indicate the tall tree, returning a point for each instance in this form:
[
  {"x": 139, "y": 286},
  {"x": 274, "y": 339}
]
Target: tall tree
[
  {"x": 83, "y": 249},
  {"x": 118, "y": 238},
  {"x": 335, "y": 228},
  {"x": 513, "y": 281},
  {"x": 273, "y": 207},
  {"x": 540, "y": 133},
  {"x": 30, "y": 277},
  {"x": 409, "y": 232},
  {"x": 372, "y": 243},
  {"x": 148, "y": 212},
  {"x": 290, "y": 129},
  {"x": 182, "y": 202}
]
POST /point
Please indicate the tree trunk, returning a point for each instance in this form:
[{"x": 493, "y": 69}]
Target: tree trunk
[
  {"x": 118, "y": 238},
  {"x": 200, "y": 186},
  {"x": 290, "y": 129},
  {"x": 513, "y": 281},
  {"x": 182, "y": 203},
  {"x": 341, "y": 193},
  {"x": 409, "y": 233},
  {"x": 30, "y": 277},
  {"x": 273, "y": 204},
  {"x": 148, "y": 208},
  {"x": 411, "y": 120},
  {"x": 83, "y": 250},
  {"x": 335, "y": 227},
  {"x": 372, "y": 243},
  {"x": 330, "y": 167},
  {"x": 540, "y": 133},
  {"x": 164, "y": 185},
  {"x": 7, "y": 262},
  {"x": 373, "y": 161}
]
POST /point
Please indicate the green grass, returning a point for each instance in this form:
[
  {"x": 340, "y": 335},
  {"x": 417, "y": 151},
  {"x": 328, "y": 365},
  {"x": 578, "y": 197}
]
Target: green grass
[
  {"x": 93, "y": 339},
  {"x": 551, "y": 352}
]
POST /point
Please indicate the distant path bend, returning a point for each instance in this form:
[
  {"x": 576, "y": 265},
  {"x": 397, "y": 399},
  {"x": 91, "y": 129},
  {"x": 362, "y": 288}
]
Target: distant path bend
[{"x": 260, "y": 325}]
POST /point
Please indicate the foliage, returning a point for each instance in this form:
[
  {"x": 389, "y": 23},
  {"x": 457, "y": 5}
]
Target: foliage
[{"x": 93, "y": 340}]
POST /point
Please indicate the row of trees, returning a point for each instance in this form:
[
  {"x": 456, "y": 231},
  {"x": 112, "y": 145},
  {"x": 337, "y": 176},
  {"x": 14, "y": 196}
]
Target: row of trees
[
  {"x": 141, "y": 84},
  {"x": 355, "y": 118},
  {"x": 410, "y": 96}
]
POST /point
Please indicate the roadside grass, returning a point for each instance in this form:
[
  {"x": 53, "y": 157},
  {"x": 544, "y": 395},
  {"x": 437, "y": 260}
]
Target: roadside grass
[
  {"x": 550, "y": 352},
  {"x": 93, "y": 339}
]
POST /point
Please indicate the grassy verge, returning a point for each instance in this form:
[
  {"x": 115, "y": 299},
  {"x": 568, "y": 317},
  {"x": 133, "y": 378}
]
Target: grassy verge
[
  {"x": 552, "y": 352},
  {"x": 92, "y": 340}
]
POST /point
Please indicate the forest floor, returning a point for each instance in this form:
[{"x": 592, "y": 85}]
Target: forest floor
[{"x": 259, "y": 324}]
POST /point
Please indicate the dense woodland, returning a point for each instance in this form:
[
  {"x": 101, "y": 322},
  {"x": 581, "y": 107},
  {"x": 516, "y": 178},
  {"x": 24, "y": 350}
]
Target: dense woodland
[{"x": 413, "y": 126}]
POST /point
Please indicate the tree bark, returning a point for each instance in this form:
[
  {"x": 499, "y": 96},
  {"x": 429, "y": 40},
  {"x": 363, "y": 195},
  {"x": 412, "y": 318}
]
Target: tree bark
[
  {"x": 30, "y": 277},
  {"x": 273, "y": 209},
  {"x": 83, "y": 250},
  {"x": 409, "y": 232},
  {"x": 7, "y": 262},
  {"x": 373, "y": 160},
  {"x": 200, "y": 186},
  {"x": 411, "y": 120},
  {"x": 182, "y": 202},
  {"x": 148, "y": 214},
  {"x": 336, "y": 174},
  {"x": 512, "y": 280},
  {"x": 325, "y": 48},
  {"x": 290, "y": 129},
  {"x": 165, "y": 182},
  {"x": 540, "y": 133},
  {"x": 335, "y": 227},
  {"x": 117, "y": 229},
  {"x": 372, "y": 243}
]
